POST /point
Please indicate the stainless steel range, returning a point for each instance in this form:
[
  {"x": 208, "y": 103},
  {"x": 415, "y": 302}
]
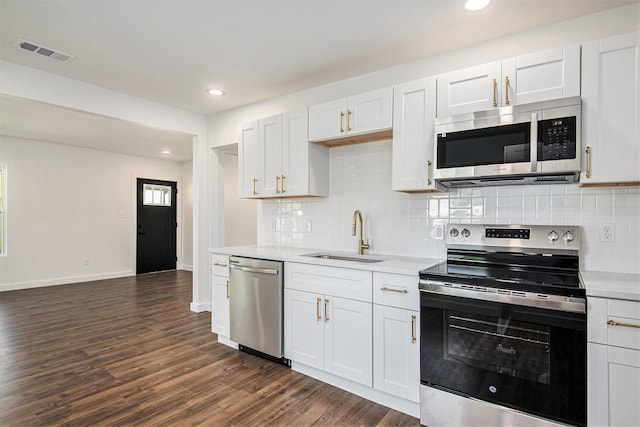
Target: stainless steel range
[{"x": 503, "y": 329}]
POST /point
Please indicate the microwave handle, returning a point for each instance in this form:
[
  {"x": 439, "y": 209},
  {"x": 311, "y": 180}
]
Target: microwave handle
[{"x": 533, "y": 143}]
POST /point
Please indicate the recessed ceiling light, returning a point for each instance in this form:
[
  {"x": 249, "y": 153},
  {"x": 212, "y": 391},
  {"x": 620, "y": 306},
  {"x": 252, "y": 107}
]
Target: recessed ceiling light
[
  {"x": 476, "y": 4},
  {"x": 216, "y": 92},
  {"x": 166, "y": 152}
]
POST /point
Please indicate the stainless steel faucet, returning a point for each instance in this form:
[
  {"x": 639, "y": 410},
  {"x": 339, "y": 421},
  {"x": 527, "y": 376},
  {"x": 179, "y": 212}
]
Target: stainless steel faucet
[{"x": 361, "y": 244}]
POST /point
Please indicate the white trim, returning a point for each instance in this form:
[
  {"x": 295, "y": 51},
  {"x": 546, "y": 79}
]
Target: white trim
[
  {"x": 3, "y": 209},
  {"x": 226, "y": 341},
  {"x": 64, "y": 281},
  {"x": 369, "y": 393},
  {"x": 199, "y": 308},
  {"x": 186, "y": 267}
]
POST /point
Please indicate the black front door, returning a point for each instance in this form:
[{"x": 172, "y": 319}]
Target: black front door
[{"x": 157, "y": 222}]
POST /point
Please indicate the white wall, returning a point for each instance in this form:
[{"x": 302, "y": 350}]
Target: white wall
[
  {"x": 67, "y": 204},
  {"x": 16, "y": 80},
  {"x": 186, "y": 196},
  {"x": 402, "y": 223},
  {"x": 240, "y": 215}
]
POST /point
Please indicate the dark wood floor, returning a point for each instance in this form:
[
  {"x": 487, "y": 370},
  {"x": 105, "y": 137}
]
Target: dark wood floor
[{"x": 129, "y": 352}]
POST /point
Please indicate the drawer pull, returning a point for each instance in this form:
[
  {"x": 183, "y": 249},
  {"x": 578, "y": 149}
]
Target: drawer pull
[
  {"x": 326, "y": 316},
  {"x": 318, "y": 317},
  {"x": 219, "y": 264},
  {"x": 400, "y": 291},
  {"x": 413, "y": 328},
  {"x": 628, "y": 325},
  {"x": 228, "y": 290}
]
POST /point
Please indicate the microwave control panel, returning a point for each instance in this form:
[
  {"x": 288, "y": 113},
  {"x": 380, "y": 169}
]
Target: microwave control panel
[{"x": 557, "y": 139}]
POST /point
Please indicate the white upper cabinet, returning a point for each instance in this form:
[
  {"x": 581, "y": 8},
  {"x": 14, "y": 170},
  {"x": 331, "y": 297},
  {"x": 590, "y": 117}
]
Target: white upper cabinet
[
  {"x": 610, "y": 110},
  {"x": 355, "y": 115},
  {"x": 275, "y": 158},
  {"x": 540, "y": 76},
  {"x": 414, "y": 112}
]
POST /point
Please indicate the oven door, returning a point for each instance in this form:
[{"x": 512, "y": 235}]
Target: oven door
[{"x": 525, "y": 358}]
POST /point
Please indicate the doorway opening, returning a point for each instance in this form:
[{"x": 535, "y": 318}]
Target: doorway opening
[{"x": 156, "y": 225}]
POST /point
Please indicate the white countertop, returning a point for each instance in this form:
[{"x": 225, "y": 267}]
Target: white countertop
[
  {"x": 390, "y": 264},
  {"x": 611, "y": 285}
]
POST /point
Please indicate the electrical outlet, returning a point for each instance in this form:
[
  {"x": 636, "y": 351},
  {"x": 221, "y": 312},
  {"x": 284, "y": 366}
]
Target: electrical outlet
[
  {"x": 438, "y": 231},
  {"x": 607, "y": 233}
]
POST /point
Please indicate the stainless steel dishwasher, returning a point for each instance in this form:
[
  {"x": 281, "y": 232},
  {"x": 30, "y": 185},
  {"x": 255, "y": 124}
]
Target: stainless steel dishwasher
[{"x": 256, "y": 294}]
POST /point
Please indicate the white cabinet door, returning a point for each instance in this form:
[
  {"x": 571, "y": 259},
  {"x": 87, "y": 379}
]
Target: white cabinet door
[
  {"x": 369, "y": 112},
  {"x": 294, "y": 175},
  {"x": 540, "y": 76},
  {"x": 348, "y": 339},
  {"x": 220, "y": 308},
  {"x": 328, "y": 120},
  {"x": 249, "y": 164},
  {"x": 470, "y": 89},
  {"x": 270, "y": 139},
  {"x": 396, "y": 351},
  {"x": 304, "y": 328},
  {"x": 359, "y": 114},
  {"x": 414, "y": 112},
  {"x": 610, "y": 111}
]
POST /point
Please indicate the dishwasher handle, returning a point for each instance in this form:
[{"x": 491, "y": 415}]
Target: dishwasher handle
[{"x": 254, "y": 269}]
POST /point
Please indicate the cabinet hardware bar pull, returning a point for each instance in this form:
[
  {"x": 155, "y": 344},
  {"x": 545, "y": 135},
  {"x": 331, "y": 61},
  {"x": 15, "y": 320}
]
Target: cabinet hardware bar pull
[
  {"x": 219, "y": 264},
  {"x": 400, "y": 291},
  {"x": 227, "y": 289},
  {"x": 318, "y": 316},
  {"x": 341, "y": 117},
  {"x": 506, "y": 90},
  {"x": 254, "y": 186},
  {"x": 428, "y": 172},
  {"x": 348, "y": 120},
  {"x": 413, "y": 328},
  {"x": 628, "y": 325},
  {"x": 326, "y": 316},
  {"x": 588, "y": 162},
  {"x": 495, "y": 93},
  {"x": 277, "y": 184},
  {"x": 283, "y": 177}
]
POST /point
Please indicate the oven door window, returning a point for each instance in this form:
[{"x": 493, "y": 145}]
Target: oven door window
[
  {"x": 487, "y": 146},
  {"x": 529, "y": 359}
]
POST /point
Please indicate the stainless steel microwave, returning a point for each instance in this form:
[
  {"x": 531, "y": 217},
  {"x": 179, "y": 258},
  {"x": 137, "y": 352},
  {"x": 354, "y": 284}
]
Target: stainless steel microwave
[{"x": 537, "y": 143}]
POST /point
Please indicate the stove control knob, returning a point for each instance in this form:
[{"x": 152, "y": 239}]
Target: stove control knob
[
  {"x": 454, "y": 232},
  {"x": 465, "y": 233},
  {"x": 552, "y": 236},
  {"x": 568, "y": 237}
]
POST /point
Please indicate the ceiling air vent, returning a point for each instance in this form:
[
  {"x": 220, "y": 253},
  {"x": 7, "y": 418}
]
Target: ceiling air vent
[{"x": 44, "y": 51}]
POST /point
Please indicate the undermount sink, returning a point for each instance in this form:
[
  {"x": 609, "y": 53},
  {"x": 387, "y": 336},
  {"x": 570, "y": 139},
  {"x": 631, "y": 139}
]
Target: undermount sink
[{"x": 354, "y": 258}]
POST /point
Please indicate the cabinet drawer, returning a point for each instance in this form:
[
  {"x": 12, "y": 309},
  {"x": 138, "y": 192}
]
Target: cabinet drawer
[
  {"x": 396, "y": 290},
  {"x": 220, "y": 265},
  {"x": 614, "y": 322},
  {"x": 340, "y": 282}
]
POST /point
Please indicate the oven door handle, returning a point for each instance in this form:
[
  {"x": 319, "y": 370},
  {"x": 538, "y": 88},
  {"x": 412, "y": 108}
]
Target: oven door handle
[{"x": 506, "y": 296}]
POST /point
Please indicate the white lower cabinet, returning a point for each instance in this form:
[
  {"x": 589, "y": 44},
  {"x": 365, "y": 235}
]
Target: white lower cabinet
[
  {"x": 396, "y": 351},
  {"x": 328, "y": 323},
  {"x": 613, "y": 362},
  {"x": 220, "y": 295}
]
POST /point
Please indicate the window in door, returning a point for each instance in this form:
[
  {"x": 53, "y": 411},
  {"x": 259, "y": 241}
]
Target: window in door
[{"x": 156, "y": 195}]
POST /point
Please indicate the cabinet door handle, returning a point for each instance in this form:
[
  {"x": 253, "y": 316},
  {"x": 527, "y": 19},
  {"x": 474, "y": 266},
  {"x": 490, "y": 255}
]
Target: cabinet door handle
[
  {"x": 326, "y": 316},
  {"x": 219, "y": 264},
  {"x": 282, "y": 177},
  {"x": 628, "y": 325},
  {"x": 428, "y": 172},
  {"x": 227, "y": 289},
  {"x": 400, "y": 291},
  {"x": 341, "y": 117},
  {"x": 506, "y": 90},
  {"x": 318, "y": 316},
  {"x": 348, "y": 120},
  {"x": 254, "y": 186},
  {"x": 495, "y": 93},
  {"x": 277, "y": 184},
  {"x": 588, "y": 162},
  {"x": 413, "y": 328}
]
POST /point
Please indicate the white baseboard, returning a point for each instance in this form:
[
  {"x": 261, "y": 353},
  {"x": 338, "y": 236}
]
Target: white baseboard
[
  {"x": 63, "y": 281},
  {"x": 394, "y": 402},
  {"x": 226, "y": 341},
  {"x": 186, "y": 267},
  {"x": 200, "y": 307}
]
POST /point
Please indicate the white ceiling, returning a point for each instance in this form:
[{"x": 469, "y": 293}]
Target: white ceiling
[{"x": 172, "y": 51}]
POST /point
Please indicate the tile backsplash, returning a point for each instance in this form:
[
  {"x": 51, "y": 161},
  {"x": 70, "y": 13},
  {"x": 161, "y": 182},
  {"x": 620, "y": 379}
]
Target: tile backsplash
[{"x": 411, "y": 224}]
